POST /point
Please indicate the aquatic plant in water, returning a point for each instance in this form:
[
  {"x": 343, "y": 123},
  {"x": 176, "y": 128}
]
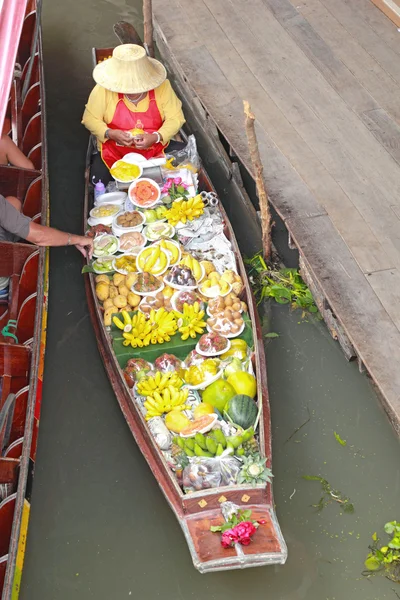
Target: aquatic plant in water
[
  {"x": 284, "y": 285},
  {"x": 330, "y": 495},
  {"x": 385, "y": 558}
]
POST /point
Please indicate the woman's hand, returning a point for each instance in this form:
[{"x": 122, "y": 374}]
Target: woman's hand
[
  {"x": 124, "y": 138},
  {"x": 145, "y": 140}
]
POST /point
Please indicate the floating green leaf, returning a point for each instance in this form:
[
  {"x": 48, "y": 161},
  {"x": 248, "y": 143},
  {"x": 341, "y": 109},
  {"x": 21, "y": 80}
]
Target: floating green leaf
[
  {"x": 271, "y": 335},
  {"x": 339, "y": 439},
  {"x": 330, "y": 495}
]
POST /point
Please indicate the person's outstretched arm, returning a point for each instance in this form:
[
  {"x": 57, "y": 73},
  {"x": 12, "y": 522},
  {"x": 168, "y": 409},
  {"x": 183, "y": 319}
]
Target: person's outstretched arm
[{"x": 13, "y": 154}]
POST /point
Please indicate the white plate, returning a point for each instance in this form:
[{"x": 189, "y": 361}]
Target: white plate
[
  {"x": 111, "y": 198},
  {"x": 123, "y": 271},
  {"x": 230, "y": 335},
  {"x": 205, "y": 384},
  {"x": 216, "y": 295},
  {"x": 155, "y": 274},
  {"x": 118, "y": 230},
  {"x": 111, "y": 257},
  {"x": 213, "y": 353},
  {"x": 102, "y": 235},
  {"x": 136, "y": 249},
  {"x": 150, "y": 226},
  {"x": 123, "y": 159},
  {"x": 107, "y": 220},
  {"x": 148, "y": 293},
  {"x": 132, "y": 197}
]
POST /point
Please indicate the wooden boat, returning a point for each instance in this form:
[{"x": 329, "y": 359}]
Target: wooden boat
[
  {"x": 24, "y": 313},
  {"x": 197, "y": 511}
]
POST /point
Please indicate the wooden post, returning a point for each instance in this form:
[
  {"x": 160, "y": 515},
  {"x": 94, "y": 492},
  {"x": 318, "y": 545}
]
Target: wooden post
[
  {"x": 148, "y": 26},
  {"x": 260, "y": 185}
]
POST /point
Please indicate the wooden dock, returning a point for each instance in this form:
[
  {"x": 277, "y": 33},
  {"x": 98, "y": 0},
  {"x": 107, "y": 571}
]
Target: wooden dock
[{"x": 323, "y": 79}]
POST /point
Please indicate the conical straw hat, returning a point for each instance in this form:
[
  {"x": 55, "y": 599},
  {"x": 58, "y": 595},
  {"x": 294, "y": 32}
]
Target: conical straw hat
[{"x": 129, "y": 71}]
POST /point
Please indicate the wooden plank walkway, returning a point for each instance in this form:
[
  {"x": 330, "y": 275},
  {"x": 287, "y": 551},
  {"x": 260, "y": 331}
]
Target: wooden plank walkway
[{"x": 323, "y": 79}]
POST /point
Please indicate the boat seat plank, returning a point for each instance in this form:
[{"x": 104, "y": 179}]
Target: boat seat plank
[
  {"x": 13, "y": 257},
  {"x": 8, "y": 470},
  {"x": 14, "y": 360},
  {"x": 33, "y": 198},
  {"x": 32, "y": 133},
  {"x": 6, "y": 520},
  {"x": 15, "y": 181},
  {"x": 31, "y": 104}
]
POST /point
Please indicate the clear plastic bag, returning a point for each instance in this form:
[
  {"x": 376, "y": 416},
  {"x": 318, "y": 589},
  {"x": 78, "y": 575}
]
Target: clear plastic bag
[
  {"x": 204, "y": 473},
  {"x": 167, "y": 363},
  {"x": 188, "y": 156}
]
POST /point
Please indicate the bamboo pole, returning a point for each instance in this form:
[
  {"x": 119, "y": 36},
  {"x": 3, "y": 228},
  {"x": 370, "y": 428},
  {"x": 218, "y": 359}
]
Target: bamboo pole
[
  {"x": 148, "y": 27},
  {"x": 260, "y": 185}
]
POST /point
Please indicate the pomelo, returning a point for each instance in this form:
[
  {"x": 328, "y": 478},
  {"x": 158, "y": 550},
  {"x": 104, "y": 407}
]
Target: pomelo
[
  {"x": 243, "y": 383},
  {"x": 218, "y": 393},
  {"x": 202, "y": 409}
]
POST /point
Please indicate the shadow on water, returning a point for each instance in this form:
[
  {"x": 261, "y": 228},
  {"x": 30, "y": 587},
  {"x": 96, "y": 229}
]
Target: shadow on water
[{"x": 100, "y": 527}]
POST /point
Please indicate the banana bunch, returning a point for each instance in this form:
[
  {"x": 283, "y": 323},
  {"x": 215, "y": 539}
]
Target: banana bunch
[
  {"x": 185, "y": 210},
  {"x": 148, "y": 385},
  {"x": 138, "y": 332},
  {"x": 169, "y": 399},
  {"x": 126, "y": 325},
  {"x": 193, "y": 265},
  {"x": 191, "y": 323},
  {"x": 163, "y": 325}
]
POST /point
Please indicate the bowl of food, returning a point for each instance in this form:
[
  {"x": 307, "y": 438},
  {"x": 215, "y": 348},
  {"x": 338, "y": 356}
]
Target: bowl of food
[
  {"x": 105, "y": 245},
  {"x": 103, "y": 264},
  {"x": 127, "y": 221},
  {"x": 125, "y": 264},
  {"x": 144, "y": 193},
  {"x": 212, "y": 344},
  {"x": 132, "y": 242},
  {"x": 228, "y": 325},
  {"x": 181, "y": 278},
  {"x": 104, "y": 214},
  {"x": 158, "y": 231},
  {"x": 147, "y": 285},
  {"x": 125, "y": 172},
  {"x": 153, "y": 259}
]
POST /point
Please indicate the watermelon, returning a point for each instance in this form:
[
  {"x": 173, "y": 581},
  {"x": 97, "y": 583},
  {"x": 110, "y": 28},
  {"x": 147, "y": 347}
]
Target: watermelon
[{"x": 241, "y": 410}]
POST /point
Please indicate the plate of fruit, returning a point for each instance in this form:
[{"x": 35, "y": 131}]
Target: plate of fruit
[
  {"x": 219, "y": 304},
  {"x": 125, "y": 264},
  {"x": 194, "y": 265},
  {"x": 105, "y": 245},
  {"x": 103, "y": 264},
  {"x": 172, "y": 247},
  {"x": 155, "y": 215},
  {"x": 228, "y": 324},
  {"x": 212, "y": 344},
  {"x": 144, "y": 193},
  {"x": 153, "y": 259},
  {"x": 157, "y": 231},
  {"x": 147, "y": 285},
  {"x": 213, "y": 286},
  {"x": 181, "y": 278},
  {"x": 182, "y": 297},
  {"x": 197, "y": 377}
]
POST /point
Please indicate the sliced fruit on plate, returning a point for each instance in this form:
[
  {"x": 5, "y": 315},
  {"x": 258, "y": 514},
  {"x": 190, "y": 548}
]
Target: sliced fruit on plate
[
  {"x": 200, "y": 425},
  {"x": 153, "y": 259},
  {"x": 194, "y": 266}
]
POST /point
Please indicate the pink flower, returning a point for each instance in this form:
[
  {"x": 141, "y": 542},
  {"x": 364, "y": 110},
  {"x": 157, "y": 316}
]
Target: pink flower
[
  {"x": 228, "y": 538},
  {"x": 177, "y": 180}
]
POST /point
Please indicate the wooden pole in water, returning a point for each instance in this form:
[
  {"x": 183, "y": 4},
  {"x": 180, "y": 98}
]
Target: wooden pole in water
[
  {"x": 148, "y": 26},
  {"x": 260, "y": 185}
]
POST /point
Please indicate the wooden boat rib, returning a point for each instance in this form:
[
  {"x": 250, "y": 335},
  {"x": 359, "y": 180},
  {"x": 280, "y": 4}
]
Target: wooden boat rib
[
  {"x": 197, "y": 511},
  {"x": 22, "y": 358}
]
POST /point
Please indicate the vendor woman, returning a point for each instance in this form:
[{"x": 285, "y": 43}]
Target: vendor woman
[{"x": 133, "y": 108}]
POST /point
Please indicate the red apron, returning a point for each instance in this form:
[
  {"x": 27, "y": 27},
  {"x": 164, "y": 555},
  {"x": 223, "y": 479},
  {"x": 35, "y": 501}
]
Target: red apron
[{"x": 126, "y": 120}]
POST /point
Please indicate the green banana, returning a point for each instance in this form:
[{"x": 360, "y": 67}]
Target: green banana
[
  {"x": 220, "y": 450},
  {"x": 200, "y": 452},
  {"x": 189, "y": 443},
  {"x": 219, "y": 437},
  {"x": 211, "y": 445},
  {"x": 201, "y": 440}
]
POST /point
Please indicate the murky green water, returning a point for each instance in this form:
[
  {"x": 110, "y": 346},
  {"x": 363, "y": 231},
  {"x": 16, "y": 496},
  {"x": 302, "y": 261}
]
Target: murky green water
[{"x": 100, "y": 527}]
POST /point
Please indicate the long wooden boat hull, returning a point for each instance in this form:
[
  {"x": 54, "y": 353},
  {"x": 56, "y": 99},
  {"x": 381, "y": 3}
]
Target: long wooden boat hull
[
  {"x": 198, "y": 511},
  {"x": 22, "y": 363}
]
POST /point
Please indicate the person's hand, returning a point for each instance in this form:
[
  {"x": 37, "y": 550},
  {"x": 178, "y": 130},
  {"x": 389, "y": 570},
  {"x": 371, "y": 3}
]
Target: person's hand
[
  {"x": 145, "y": 140},
  {"x": 84, "y": 244},
  {"x": 121, "y": 137}
]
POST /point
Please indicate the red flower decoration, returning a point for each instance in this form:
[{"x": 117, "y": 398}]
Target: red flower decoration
[{"x": 239, "y": 534}]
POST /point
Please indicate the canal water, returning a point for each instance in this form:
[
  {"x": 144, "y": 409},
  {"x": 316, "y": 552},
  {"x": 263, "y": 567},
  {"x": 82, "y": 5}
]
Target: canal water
[{"x": 100, "y": 527}]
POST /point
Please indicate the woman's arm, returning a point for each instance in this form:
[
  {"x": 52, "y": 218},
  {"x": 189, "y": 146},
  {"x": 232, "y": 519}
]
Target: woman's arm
[
  {"x": 93, "y": 117},
  {"x": 15, "y": 157}
]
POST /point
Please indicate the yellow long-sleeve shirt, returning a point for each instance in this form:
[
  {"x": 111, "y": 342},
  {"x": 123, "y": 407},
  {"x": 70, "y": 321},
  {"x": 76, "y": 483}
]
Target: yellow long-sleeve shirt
[{"x": 102, "y": 103}]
